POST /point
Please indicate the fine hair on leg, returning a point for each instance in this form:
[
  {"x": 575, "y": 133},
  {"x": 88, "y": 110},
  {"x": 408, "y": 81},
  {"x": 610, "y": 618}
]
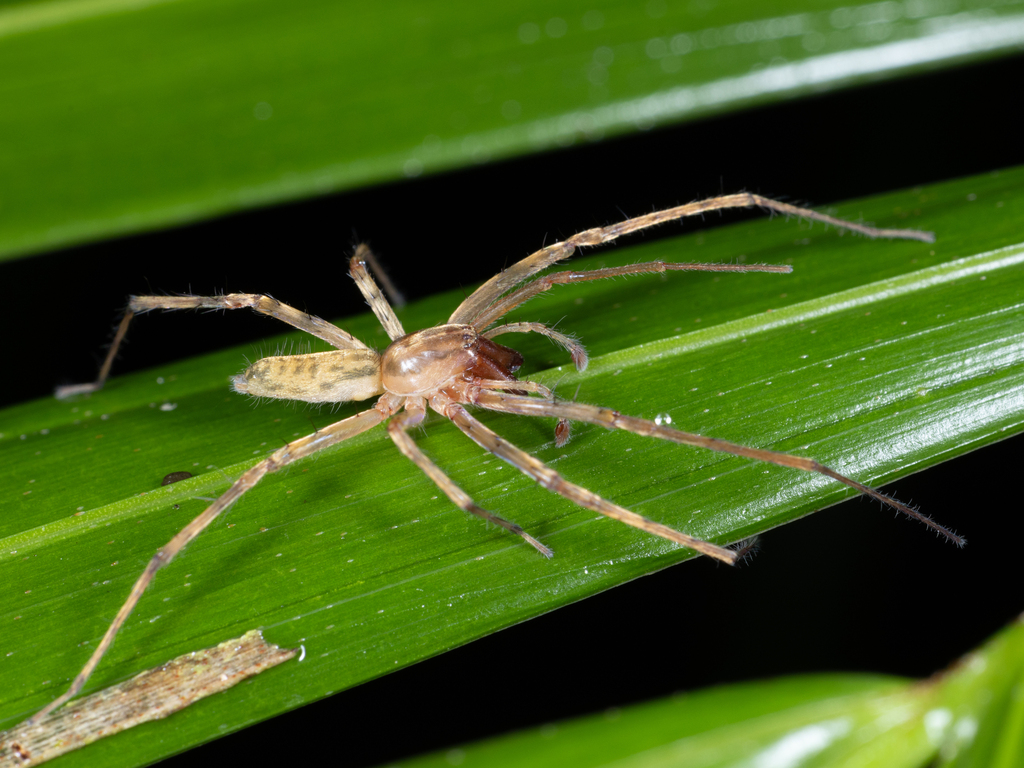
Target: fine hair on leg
[
  {"x": 398, "y": 429},
  {"x": 294, "y": 451},
  {"x": 552, "y": 481},
  {"x": 606, "y": 417},
  {"x": 477, "y": 309}
]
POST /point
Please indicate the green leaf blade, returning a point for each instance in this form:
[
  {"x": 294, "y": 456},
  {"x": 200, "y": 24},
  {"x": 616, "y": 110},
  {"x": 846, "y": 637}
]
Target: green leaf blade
[
  {"x": 358, "y": 557},
  {"x": 125, "y": 116},
  {"x": 970, "y": 715},
  {"x": 812, "y": 720}
]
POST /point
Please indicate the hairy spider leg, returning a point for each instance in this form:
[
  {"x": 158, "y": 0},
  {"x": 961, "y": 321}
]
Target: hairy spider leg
[
  {"x": 524, "y": 293},
  {"x": 294, "y": 451},
  {"x": 395, "y": 297},
  {"x": 260, "y": 303},
  {"x": 606, "y": 417},
  {"x": 398, "y": 428},
  {"x": 378, "y": 303},
  {"x": 552, "y": 481},
  {"x": 70, "y": 390},
  {"x": 505, "y": 386},
  {"x": 476, "y": 306}
]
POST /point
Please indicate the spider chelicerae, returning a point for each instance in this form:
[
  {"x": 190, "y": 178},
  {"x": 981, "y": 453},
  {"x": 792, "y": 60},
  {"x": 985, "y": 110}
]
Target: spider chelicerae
[{"x": 450, "y": 366}]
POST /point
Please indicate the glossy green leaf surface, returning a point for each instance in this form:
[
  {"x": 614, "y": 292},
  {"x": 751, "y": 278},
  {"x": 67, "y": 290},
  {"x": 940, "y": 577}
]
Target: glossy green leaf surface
[
  {"x": 124, "y": 115},
  {"x": 981, "y": 715},
  {"x": 971, "y": 715},
  {"x": 875, "y": 357}
]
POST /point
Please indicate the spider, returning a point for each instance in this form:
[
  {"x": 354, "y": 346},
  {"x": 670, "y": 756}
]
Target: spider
[{"x": 454, "y": 365}]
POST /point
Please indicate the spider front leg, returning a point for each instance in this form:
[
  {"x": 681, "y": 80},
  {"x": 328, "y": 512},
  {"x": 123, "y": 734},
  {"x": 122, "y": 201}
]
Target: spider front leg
[
  {"x": 521, "y": 295},
  {"x": 301, "y": 448},
  {"x": 398, "y": 429},
  {"x": 368, "y": 287},
  {"x": 482, "y": 307},
  {"x": 552, "y": 481},
  {"x": 606, "y": 417}
]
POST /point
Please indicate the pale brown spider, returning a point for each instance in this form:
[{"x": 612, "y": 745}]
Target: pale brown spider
[{"x": 453, "y": 365}]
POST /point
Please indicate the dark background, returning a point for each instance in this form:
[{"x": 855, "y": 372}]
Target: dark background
[{"x": 846, "y": 589}]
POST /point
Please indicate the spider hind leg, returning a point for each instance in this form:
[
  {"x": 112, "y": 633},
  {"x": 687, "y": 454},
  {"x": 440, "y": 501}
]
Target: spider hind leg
[{"x": 611, "y": 419}]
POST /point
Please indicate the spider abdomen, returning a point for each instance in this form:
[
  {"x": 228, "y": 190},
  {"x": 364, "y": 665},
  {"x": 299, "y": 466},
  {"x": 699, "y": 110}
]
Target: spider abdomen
[
  {"x": 421, "y": 363},
  {"x": 320, "y": 377}
]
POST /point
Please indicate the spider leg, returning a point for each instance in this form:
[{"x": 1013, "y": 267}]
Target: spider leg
[
  {"x": 395, "y": 297},
  {"x": 69, "y": 390},
  {"x": 261, "y": 303},
  {"x": 563, "y": 430},
  {"x": 568, "y": 343},
  {"x": 398, "y": 429},
  {"x": 473, "y": 308},
  {"x": 366, "y": 285},
  {"x": 294, "y": 451},
  {"x": 506, "y": 386},
  {"x": 552, "y": 481},
  {"x": 606, "y": 417},
  {"x": 524, "y": 293}
]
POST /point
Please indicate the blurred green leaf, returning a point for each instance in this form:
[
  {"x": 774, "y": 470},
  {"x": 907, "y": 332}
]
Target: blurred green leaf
[
  {"x": 981, "y": 715},
  {"x": 968, "y": 716},
  {"x": 123, "y": 115},
  {"x": 878, "y": 358}
]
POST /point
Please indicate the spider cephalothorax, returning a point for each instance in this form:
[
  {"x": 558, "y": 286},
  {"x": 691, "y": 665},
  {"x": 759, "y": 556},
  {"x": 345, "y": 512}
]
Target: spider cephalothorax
[{"x": 439, "y": 358}]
